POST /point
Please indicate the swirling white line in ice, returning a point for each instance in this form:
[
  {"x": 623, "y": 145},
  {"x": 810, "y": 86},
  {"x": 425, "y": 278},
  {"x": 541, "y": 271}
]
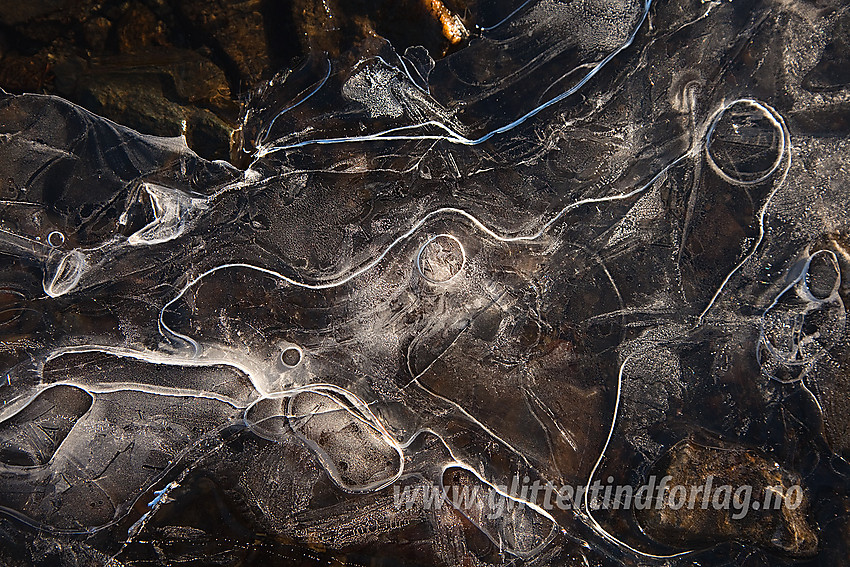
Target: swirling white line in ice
[
  {"x": 166, "y": 331},
  {"x": 786, "y": 148},
  {"x": 456, "y": 137}
]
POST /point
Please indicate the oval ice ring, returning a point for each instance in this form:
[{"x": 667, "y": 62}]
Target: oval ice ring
[
  {"x": 440, "y": 259},
  {"x": 55, "y": 239},
  {"x": 63, "y": 272},
  {"x": 822, "y": 276},
  {"x": 355, "y": 450},
  {"x": 745, "y": 142},
  {"x": 290, "y": 356},
  {"x": 808, "y": 316}
]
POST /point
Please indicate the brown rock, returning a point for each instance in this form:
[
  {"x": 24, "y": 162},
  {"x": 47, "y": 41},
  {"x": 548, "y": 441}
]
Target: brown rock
[
  {"x": 96, "y": 33},
  {"x": 155, "y": 92},
  {"x": 237, "y": 28},
  {"x": 13, "y": 13},
  {"x": 21, "y": 73},
  {"x": 728, "y": 512},
  {"x": 138, "y": 29}
]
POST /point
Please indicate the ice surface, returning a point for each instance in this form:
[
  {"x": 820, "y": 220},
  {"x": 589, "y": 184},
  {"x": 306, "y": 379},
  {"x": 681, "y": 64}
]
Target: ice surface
[{"x": 602, "y": 231}]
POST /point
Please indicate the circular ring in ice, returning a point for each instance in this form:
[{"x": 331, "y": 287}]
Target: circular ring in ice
[
  {"x": 735, "y": 134},
  {"x": 440, "y": 259}
]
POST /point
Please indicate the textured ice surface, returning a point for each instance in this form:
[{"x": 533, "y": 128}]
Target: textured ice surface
[{"x": 603, "y": 231}]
